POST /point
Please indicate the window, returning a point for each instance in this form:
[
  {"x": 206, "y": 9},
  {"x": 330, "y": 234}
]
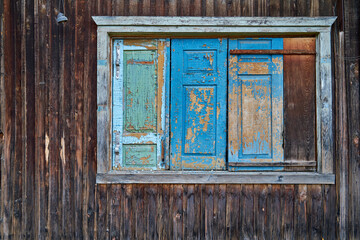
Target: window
[{"x": 209, "y": 101}]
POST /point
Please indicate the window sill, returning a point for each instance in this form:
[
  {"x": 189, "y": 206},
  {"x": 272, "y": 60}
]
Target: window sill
[{"x": 214, "y": 177}]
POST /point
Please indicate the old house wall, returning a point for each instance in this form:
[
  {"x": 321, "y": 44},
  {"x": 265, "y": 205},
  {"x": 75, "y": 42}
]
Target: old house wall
[{"x": 48, "y": 139}]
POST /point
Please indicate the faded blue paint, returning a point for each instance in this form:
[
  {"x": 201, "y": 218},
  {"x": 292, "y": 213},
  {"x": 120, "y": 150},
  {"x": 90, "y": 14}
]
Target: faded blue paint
[
  {"x": 256, "y": 93},
  {"x": 198, "y": 103},
  {"x": 102, "y": 62}
]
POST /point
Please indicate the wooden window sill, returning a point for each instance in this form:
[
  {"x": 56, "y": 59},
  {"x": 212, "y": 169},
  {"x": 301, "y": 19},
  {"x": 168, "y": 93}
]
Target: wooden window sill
[{"x": 213, "y": 177}]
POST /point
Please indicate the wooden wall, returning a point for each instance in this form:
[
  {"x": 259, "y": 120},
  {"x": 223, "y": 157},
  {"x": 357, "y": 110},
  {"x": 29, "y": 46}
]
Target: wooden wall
[{"x": 48, "y": 137}]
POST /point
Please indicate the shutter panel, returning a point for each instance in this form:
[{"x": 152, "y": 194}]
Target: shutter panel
[
  {"x": 138, "y": 103},
  {"x": 198, "y": 104},
  {"x": 255, "y": 105}
]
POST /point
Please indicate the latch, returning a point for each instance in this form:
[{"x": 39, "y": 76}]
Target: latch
[{"x": 117, "y": 61}]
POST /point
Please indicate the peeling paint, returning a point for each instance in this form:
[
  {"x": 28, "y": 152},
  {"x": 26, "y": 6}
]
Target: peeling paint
[
  {"x": 255, "y": 104},
  {"x": 62, "y": 151},
  {"x": 47, "y": 148}
]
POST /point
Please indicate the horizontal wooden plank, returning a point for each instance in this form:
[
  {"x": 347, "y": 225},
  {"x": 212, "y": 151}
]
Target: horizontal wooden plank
[
  {"x": 274, "y": 164},
  {"x": 274, "y": 52},
  {"x": 213, "y": 177},
  {"x": 214, "y": 21}
]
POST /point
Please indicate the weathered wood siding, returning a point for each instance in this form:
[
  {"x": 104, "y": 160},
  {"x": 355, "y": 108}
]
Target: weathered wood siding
[{"x": 48, "y": 122}]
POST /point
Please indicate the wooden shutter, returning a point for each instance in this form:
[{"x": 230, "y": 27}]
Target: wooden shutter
[
  {"x": 138, "y": 103},
  {"x": 198, "y": 103},
  {"x": 255, "y": 115}
]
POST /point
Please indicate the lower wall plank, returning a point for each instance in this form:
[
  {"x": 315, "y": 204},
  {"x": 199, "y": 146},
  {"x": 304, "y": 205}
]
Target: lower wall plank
[{"x": 210, "y": 211}]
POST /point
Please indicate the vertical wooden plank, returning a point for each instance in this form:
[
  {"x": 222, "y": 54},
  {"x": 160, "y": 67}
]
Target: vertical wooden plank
[
  {"x": 90, "y": 123},
  {"x": 260, "y": 209},
  {"x": 29, "y": 111},
  {"x": 274, "y": 8},
  {"x": 300, "y": 213},
  {"x": 18, "y": 146},
  {"x": 160, "y": 7},
  {"x": 53, "y": 125},
  {"x": 177, "y": 210},
  {"x": 67, "y": 191},
  {"x": 102, "y": 223},
  {"x": 172, "y": 9},
  {"x": 299, "y": 100},
  {"x": 184, "y": 7},
  {"x": 316, "y": 212},
  {"x": 287, "y": 210},
  {"x": 219, "y": 211},
  {"x": 151, "y": 193},
  {"x": 273, "y": 212},
  {"x": 128, "y": 224},
  {"x": 325, "y": 132},
  {"x": 41, "y": 66},
  {"x": 165, "y": 229},
  {"x": 329, "y": 219},
  {"x": 115, "y": 211},
  {"x": 351, "y": 56},
  {"x": 195, "y": 8},
  {"x": 210, "y": 12},
  {"x": 220, "y": 8},
  {"x": 233, "y": 219},
  {"x": 8, "y": 130},
  {"x": 117, "y": 7},
  {"x": 209, "y": 212},
  {"x": 78, "y": 105},
  {"x": 139, "y": 230},
  {"x": 342, "y": 169},
  {"x": 247, "y": 212},
  {"x": 189, "y": 211}
]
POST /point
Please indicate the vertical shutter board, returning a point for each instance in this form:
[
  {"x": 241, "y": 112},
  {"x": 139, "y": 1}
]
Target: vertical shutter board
[
  {"x": 138, "y": 103},
  {"x": 255, "y": 104},
  {"x": 198, "y": 104},
  {"x": 299, "y": 101}
]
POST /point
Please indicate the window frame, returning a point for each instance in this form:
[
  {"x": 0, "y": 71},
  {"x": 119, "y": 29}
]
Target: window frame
[{"x": 165, "y": 27}]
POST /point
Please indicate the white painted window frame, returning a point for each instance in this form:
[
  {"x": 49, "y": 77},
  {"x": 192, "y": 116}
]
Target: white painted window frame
[{"x": 160, "y": 27}]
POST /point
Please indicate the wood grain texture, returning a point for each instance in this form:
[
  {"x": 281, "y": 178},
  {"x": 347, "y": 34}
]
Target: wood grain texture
[
  {"x": 48, "y": 121},
  {"x": 299, "y": 101}
]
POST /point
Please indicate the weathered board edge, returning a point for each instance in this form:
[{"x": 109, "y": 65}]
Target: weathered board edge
[
  {"x": 193, "y": 177},
  {"x": 213, "y": 21}
]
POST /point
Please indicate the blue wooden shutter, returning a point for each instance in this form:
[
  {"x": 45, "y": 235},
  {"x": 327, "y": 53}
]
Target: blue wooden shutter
[
  {"x": 255, "y": 115},
  {"x": 198, "y": 103},
  {"x": 138, "y": 110}
]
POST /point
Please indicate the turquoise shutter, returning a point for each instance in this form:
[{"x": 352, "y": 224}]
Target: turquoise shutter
[
  {"x": 255, "y": 114},
  {"x": 138, "y": 111},
  {"x": 198, "y": 104}
]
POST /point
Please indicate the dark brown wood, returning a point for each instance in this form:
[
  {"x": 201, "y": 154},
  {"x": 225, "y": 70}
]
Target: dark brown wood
[
  {"x": 101, "y": 221},
  {"x": 299, "y": 101},
  {"x": 352, "y": 62},
  {"x": 300, "y": 213},
  {"x": 18, "y": 148},
  {"x": 233, "y": 220},
  {"x": 273, "y": 213},
  {"x": 177, "y": 211},
  {"x": 209, "y": 212},
  {"x": 315, "y": 213},
  {"x": 115, "y": 211},
  {"x": 48, "y": 129},
  {"x": 274, "y": 52},
  {"x": 247, "y": 212},
  {"x": 260, "y": 209},
  {"x": 150, "y": 198},
  {"x": 287, "y": 216}
]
